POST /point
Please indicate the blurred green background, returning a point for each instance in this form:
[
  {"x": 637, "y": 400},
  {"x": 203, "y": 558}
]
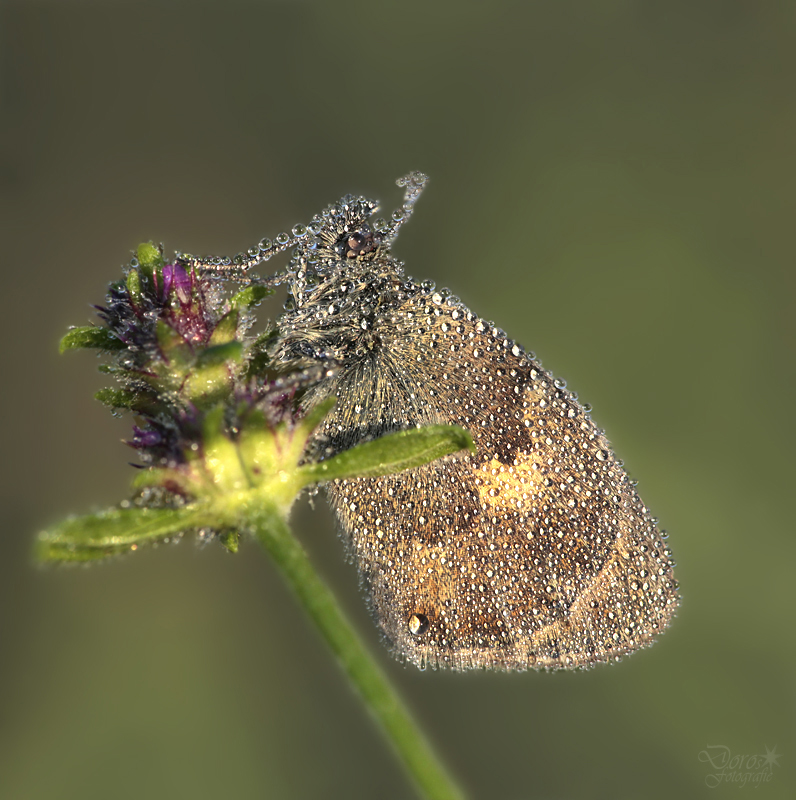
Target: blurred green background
[{"x": 612, "y": 183}]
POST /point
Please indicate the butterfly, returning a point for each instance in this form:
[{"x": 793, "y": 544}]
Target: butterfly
[{"x": 535, "y": 551}]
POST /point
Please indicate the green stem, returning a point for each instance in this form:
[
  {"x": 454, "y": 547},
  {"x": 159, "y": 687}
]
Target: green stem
[{"x": 378, "y": 694}]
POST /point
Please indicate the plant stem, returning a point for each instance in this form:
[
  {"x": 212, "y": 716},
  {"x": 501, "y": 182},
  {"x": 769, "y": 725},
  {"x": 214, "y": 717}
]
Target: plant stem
[{"x": 379, "y": 696}]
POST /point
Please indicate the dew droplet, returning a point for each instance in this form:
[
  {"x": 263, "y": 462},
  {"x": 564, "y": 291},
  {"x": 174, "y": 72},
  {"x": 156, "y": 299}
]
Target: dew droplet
[{"x": 418, "y": 623}]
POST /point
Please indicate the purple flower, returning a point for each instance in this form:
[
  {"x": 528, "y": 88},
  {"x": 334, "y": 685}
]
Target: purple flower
[
  {"x": 176, "y": 279},
  {"x": 145, "y": 438},
  {"x": 181, "y": 297}
]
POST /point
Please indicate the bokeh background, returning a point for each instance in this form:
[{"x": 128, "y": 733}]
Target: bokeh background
[{"x": 612, "y": 183}]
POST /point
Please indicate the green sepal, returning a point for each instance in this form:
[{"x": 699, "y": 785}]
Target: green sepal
[
  {"x": 122, "y": 373},
  {"x": 122, "y": 398},
  {"x": 250, "y": 295},
  {"x": 117, "y": 530},
  {"x": 90, "y": 336},
  {"x": 293, "y": 446},
  {"x": 258, "y": 358},
  {"x": 220, "y": 354},
  {"x": 226, "y": 329},
  {"x": 172, "y": 345},
  {"x": 391, "y": 453},
  {"x": 180, "y": 480},
  {"x": 150, "y": 258},
  {"x": 220, "y": 455},
  {"x": 316, "y": 415},
  {"x": 133, "y": 285},
  {"x": 213, "y": 426},
  {"x": 208, "y": 385},
  {"x": 256, "y": 446},
  {"x": 230, "y": 540}
]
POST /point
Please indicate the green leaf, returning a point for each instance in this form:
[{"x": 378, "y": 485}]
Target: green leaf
[
  {"x": 391, "y": 453},
  {"x": 250, "y": 295},
  {"x": 117, "y": 530},
  {"x": 90, "y": 336}
]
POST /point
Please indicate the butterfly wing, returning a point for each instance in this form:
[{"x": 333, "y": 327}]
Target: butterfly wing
[{"x": 534, "y": 552}]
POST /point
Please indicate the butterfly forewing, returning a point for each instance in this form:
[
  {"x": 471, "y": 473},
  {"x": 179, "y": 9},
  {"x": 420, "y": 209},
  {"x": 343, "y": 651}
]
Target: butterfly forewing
[{"x": 534, "y": 552}]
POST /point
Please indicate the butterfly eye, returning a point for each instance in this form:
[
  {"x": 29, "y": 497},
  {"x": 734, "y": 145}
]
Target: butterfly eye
[
  {"x": 356, "y": 241},
  {"x": 359, "y": 243}
]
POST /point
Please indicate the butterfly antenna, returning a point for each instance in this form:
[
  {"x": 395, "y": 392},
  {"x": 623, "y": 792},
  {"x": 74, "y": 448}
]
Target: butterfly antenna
[{"x": 414, "y": 184}]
